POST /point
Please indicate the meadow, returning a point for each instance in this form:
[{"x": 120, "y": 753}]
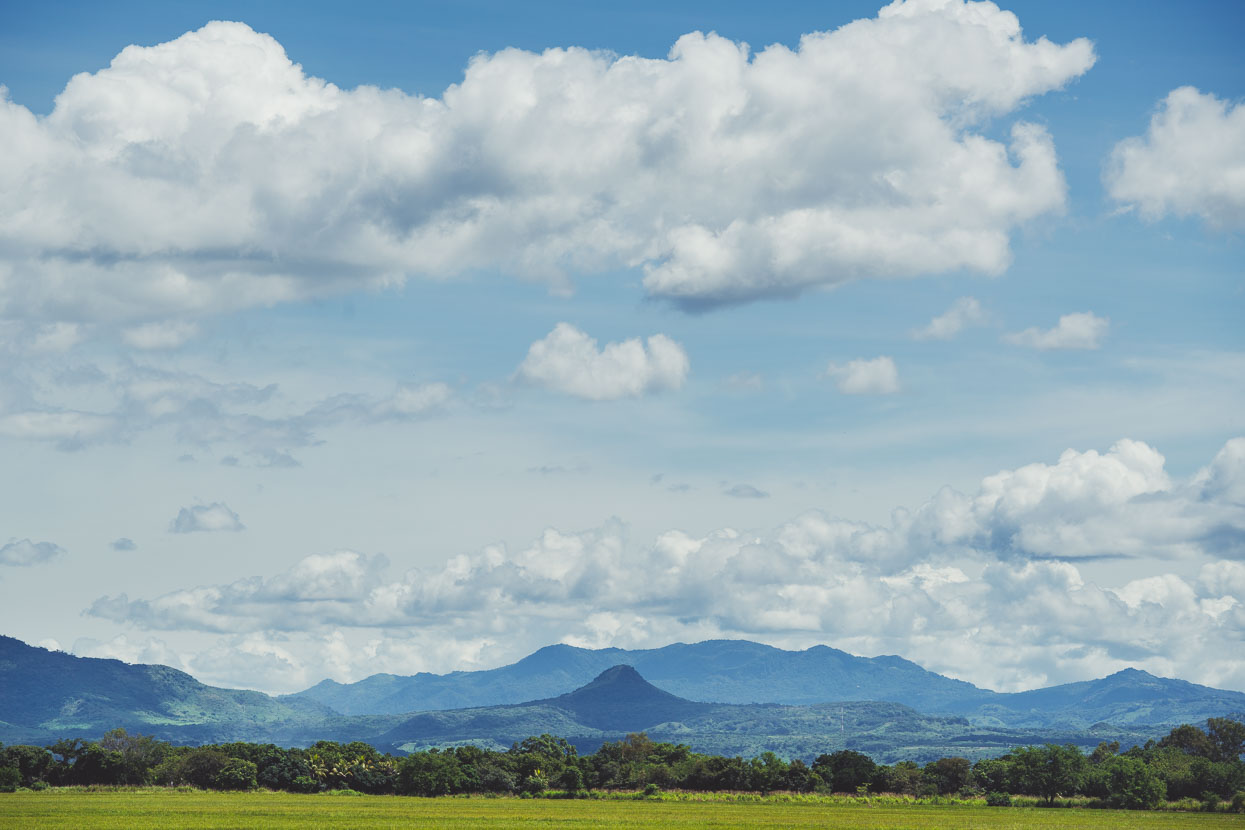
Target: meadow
[{"x": 126, "y": 809}]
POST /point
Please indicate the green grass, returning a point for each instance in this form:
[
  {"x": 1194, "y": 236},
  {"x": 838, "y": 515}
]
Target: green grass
[{"x": 133, "y": 809}]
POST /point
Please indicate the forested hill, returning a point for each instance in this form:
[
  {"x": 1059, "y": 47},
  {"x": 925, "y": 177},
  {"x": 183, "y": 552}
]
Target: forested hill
[
  {"x": 722, "y": 671},
  {"x": 50, "y": 693}
]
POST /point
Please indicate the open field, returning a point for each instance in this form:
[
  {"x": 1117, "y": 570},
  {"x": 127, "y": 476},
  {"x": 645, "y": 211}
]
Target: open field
[{"x": 123, "y": 810}]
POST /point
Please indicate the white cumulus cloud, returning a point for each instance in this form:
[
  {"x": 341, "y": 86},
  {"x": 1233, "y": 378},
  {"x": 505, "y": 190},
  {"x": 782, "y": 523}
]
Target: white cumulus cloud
[
  {"x": 567, "y": 360},
  {"x": 1080, "y": 330},
  {"x": 211, "y": 172},
  {"x": 875, "y": 376},
  {"x": 206, "y": 518},
  {"x": 1191, "y": 161}
]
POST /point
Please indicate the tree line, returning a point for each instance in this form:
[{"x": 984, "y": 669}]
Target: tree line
[{"x": 1189, "y": 763}]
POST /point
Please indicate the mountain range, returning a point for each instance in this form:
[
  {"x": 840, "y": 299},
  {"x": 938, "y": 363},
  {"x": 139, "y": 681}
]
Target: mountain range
[
  {"x": 738, "y": 671},
  {"x": 709, "y": 695}
]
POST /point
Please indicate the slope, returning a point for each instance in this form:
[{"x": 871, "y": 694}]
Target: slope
[{"x": 44, "y": 694}]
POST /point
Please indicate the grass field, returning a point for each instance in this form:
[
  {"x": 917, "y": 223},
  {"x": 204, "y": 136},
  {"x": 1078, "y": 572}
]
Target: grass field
[{"x": 123, "y": 810}]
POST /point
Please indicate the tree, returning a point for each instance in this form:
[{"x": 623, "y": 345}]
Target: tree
[
  {"x": 904, "y": 777},
  {"x": 1049, "y": 771},
  {"x": 846, "y": 770},
  {"x": 993, "y": 774},
  {"x": 236, "y": 774},
  {"x": 430, "y": 773},
  {"x": 948, "y": 775},
  {"x": 1104, "y": 751},
  {"x": 202, "y": 766},
  {"x": 1189, "y": 740},
  {"x": 1131, "y": 784},
  {"x": 767, "y": 772},
  {"x": 1227, "y": 739},
  {"x": 139, "y": 754},
  {"x": 32, "y": 762}
]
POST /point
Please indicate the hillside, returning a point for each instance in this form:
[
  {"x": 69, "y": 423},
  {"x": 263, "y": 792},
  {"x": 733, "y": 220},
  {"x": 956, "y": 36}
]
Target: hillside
[{"x": 45, "y": 694}]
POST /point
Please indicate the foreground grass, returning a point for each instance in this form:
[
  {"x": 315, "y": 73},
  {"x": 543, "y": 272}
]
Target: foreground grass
[{"x": 178, "y": 810}]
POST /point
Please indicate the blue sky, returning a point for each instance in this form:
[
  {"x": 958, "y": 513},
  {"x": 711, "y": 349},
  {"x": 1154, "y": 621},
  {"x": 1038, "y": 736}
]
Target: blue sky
[{"x": 918, "y": 336}]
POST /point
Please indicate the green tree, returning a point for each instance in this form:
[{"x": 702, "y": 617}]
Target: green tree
[
  {"x": 1049, "y": 771},
  {"x": 993, "y": 774},
  {"x": 1227, "y": 739},
  {"x": 948, "y": 775},
  {"x": 201, "y": 767},
  {"x": 1131, "y": 784},
  {"x": 430, "y": 773},
  {"x": 33, "y": 763},
  {"x": 140, "y": 754},
  {"x": 236, "y": 774},
  {"x": 846, "y": 770},
  {"x": 1189, "y": 740}
]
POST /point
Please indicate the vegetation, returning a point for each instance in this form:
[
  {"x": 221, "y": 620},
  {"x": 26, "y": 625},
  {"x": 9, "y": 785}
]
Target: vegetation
[{"x": 1200, "y": 768}]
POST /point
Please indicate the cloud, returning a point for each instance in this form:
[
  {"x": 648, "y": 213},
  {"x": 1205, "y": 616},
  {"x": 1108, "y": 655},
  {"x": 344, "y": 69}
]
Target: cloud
[
  {"x": 210, "y": 173},
  {"x": 68, "y": 430},
  {"x": 1080, "y": 330},
  {"x": 163, "y": 335},
  {"x": 965, "y": 311},
  {"x": 1191, "y": 161},
  {"x": 57, "y": 337},
  {"x": 876, "y": 376},
  {"x": 745, "y": 491},
  {"x": 255, "y": 421},
  {"x": 987, "y": 585},
  {"x": 407, "y": 402},
  {"x": 206, "y": 518},
  {"x": 23, "y": 552},
  {"x": 150, "y": 650},
  {"x": 567, "y": 360},
  {"x": 124, "y": 544}
]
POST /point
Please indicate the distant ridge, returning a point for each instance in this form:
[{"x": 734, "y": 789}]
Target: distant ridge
[
  {"x": 740, "y": 671},
  {"x": 725, "y": 671}
]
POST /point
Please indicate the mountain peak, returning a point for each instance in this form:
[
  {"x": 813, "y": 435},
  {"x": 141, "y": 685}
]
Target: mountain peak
[
  {"x": 622, "y": 673},
  {"x": 621, "y": 684}
]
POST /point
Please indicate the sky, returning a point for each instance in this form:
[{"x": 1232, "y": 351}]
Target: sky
[{"x": 416, "y": 336}]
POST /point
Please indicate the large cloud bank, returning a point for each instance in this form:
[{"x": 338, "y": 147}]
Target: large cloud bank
[
  {"x": 211, "y": 173},
  {"x": 988, "y": 586}
]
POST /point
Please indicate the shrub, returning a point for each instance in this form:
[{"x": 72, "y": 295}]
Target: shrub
[
  {"x": 1238, "y": 803},
  {"x": 652, "y": 790},
  {"x": 998, "y": 800},
  {"x": 39, "y": 786},
  {"x": 305, "y": 784},
  {"x": 10, "y": 779}
]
